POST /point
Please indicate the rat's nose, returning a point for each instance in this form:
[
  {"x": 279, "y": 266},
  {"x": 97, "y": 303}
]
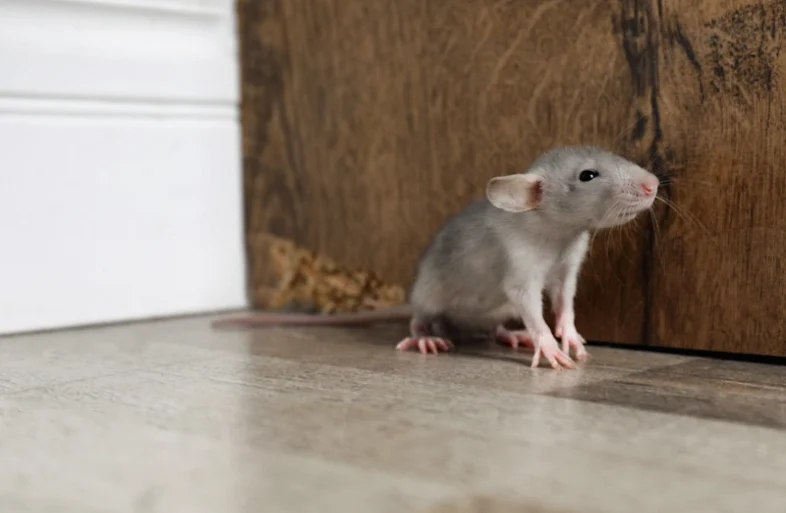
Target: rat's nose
[{"x": 650, "y": 186}]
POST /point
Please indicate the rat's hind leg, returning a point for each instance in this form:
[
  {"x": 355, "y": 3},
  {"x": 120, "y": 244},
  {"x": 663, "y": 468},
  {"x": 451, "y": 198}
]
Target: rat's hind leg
[
  {"x": 512, "y": 338},
  {"x": 426, "y": 335}
]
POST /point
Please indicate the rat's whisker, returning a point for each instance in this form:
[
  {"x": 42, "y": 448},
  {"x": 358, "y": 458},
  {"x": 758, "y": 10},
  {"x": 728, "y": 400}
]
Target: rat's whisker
[
  {"x": 614, "y": 212},
  {"x": 687, "y": 180},
  {"x": 601, "y": 223},
  {"x": 682, "y": 213},
  {"x": 630, "y": 230},
  {"x": 657, "y": 235}
]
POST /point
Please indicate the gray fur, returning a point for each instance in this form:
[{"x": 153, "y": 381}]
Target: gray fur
[{"x": 480, "y": 254}]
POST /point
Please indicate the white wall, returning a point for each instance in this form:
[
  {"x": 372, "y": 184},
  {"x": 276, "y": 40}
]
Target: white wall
[{"x": 120, "y": 180}]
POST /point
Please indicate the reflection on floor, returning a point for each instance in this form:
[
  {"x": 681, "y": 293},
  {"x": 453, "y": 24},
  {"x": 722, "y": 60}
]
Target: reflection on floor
[{"x": 172, "y": 416}]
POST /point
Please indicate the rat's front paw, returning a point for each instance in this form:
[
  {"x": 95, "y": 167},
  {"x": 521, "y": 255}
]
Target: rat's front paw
[
  {"x": 571, "y": 340},
  {"x": 548, "y": 347}
]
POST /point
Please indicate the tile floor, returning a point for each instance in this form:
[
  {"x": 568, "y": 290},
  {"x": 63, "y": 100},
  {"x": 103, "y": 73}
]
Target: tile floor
[{"x": 172, "y": 416}]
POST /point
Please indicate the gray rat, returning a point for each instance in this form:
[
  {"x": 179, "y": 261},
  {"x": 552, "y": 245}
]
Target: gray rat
[{"x": 491, "y": 262}]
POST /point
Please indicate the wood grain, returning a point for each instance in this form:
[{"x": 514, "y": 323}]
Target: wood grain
[
  {"x": 367, "y": 124},
  {"x": 724, "y": 122}
]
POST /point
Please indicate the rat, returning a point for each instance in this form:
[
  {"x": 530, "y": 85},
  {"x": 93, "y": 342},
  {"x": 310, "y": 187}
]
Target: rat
[{"x": 491, "y": 262}]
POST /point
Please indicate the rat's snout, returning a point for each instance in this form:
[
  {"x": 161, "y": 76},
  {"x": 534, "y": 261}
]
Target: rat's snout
[{"x": 649, "y": 186}]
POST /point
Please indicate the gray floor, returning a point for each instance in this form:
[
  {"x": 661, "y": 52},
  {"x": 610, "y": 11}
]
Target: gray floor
[{"x": 172, "y": 417}]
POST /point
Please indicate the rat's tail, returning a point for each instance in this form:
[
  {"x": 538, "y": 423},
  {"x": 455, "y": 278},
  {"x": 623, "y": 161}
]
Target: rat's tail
[{"x": 392, "y": 314}]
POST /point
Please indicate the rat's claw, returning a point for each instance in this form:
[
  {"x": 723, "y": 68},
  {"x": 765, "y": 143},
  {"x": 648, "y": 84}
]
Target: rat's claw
[
  {"x": 425, "y": 345},
  {"x": 581, "y": 353},
  {"x": 557, "y": 358},
  {"x": 563, "y": 358},
  {"x": 444, "y": 345},
  {"x": 572, "y": 340}
]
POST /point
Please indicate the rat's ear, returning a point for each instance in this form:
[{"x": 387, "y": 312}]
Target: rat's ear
[{"x": 514, "y": 193}]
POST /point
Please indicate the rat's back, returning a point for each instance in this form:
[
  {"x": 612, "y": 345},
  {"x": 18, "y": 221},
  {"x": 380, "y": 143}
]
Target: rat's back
[{"x": 462, "y": 270}]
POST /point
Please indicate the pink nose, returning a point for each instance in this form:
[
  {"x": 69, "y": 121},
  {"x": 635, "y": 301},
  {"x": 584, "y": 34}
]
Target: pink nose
[{"x": 649, "y": 188}]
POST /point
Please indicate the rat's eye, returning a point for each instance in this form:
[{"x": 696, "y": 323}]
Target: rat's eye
[{"x": 588, "y": 174}]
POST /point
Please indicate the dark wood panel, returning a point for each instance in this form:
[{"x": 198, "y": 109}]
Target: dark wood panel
[
  {"x": 715, "y": 277},
  {"x": 366, "y": 124}
]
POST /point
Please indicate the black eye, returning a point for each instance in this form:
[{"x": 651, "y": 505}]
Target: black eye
[{"x": 588, "y": 174}]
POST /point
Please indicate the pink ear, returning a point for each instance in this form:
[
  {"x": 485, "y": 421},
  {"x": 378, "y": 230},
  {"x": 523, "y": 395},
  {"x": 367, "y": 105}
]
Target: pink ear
[{"x": 515, "y": 193}]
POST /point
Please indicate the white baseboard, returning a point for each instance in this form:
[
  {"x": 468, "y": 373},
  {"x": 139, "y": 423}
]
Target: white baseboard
[{"x": 120, "y": 165}]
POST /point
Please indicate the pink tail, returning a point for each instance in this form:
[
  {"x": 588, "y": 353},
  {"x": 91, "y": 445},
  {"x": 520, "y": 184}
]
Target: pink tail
[{"x": 393, "y": 314}]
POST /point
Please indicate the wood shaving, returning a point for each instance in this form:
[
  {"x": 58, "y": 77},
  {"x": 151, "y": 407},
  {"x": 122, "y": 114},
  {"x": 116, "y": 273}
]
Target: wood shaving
[{"x": 285, "y": 276}]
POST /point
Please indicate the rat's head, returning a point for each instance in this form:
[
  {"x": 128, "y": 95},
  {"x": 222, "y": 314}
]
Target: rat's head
[{"x": 583, "y": 186}]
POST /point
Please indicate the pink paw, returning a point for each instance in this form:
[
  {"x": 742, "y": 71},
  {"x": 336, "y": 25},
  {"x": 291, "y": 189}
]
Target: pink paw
[
  {"x": 514, "y": 338},
  {"x": 425, "y": 344},
  {"x": 572, "y": 340},
  {"x": 549, "y": 349}
]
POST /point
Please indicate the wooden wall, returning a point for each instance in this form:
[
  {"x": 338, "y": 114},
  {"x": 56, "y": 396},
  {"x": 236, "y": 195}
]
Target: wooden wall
[{"x": 367, "y": 123}]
